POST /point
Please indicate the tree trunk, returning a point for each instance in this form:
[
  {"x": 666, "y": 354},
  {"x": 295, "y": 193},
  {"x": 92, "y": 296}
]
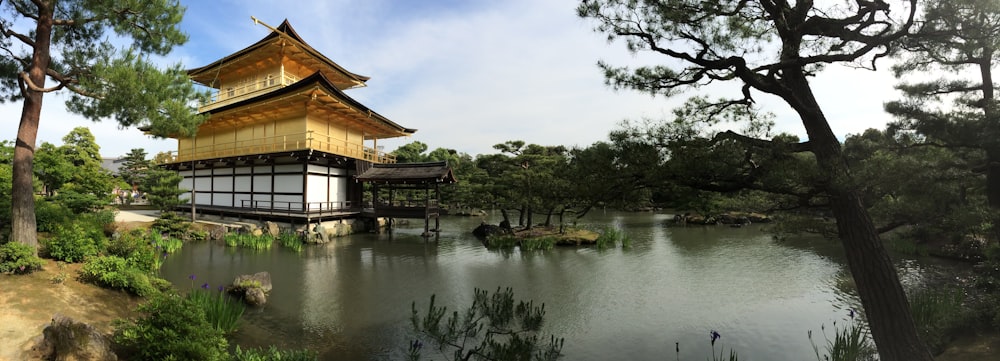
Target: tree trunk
[
  {"x": 886, "y": 308},
  {"x": 23, "y": 228}
]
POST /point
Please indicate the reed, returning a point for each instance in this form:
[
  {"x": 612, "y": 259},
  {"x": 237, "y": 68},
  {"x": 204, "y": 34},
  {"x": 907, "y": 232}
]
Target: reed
[
  {"x": 258, "y": 243},
  {"x": 222, "y": 311},
  {"x": 291, "y": 241}
]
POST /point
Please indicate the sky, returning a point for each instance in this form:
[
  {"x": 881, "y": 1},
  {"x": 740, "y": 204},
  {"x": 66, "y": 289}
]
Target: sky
[{"x": 467, "y": 74}]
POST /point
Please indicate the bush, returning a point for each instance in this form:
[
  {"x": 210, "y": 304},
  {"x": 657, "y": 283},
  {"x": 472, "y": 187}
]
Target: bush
[
  {"x": 75, "y": 242},
  {"x": 273, "y": 354},
  {"x": 18, "y": 258},
  {"x": 221, "y": 311},
  {"x": 137, "y": 250},
  {"x": 172, "y": 225},
  {"x": 116, "y": 273},
  {"x": 171, "y": 328},
  {"x": 49, "y": 215}
]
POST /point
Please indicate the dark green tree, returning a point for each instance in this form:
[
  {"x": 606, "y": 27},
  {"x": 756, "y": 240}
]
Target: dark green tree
[
  {"x": 52, "y": 168},
  {"x": 72, "y": 173},
  {"x": 162, "y": 188},
  {"x": 493, "y": 328},
  {"x": 771, "y": 48},
  {"x": 411, "y": 152},
  {"x": 134, "y": 167},
  {"x": 959, "y": 42},
  {"x": 72, "y": 44}
]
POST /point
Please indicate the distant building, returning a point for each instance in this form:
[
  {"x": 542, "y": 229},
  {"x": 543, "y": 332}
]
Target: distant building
[
  {"x": 282, "y": 138},
  {"x": 112, "y": 165}
]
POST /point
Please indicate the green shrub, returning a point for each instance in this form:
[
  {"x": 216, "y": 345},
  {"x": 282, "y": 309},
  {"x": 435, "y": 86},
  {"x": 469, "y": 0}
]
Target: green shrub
[
  {"x": 273, "y": 354},
  {"x": 170, "y": 328},
  {"x": 75, "y": 242},
  {"x": 18, "y": 258},
  {"x": 116, "y": 273},
  {"x": 172, "y": 225},
  {"x": 221, "y": 311},
  {"x": 137, "y": 250},
  {"x": 49, "y": 215}
]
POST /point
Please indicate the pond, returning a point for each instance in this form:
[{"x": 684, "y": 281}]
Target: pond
[{"x": 350, "y": 299}]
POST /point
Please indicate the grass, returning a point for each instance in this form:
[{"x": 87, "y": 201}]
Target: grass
[
  {"x": 291, "y": 241},
  {"x": 273, "y": 354},
  {"x": 501, "y": 242},
  {"x": 612, "y": 236},
  {"x": 938, "y": 314},
  {"x": 851, "y": 343},
  {"x": 222, "y": 311},
  {"x": 257, "y": 243},
  {"x": 538, "y": 243},
  {"x": 167, "y": 244}
]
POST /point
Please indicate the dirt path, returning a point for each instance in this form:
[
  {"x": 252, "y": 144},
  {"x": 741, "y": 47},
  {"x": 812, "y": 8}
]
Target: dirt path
[{"x": 28, "y": 302}]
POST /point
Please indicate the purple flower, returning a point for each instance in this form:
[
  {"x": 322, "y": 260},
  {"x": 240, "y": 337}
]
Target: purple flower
[
  {"x": 22, "y": 268},
  {"x": 165, "y": 256},
  {"x": 715, "y": 336},
  {"x": 204, "y": 285},
  {"x": 191, "y": 277},
  {"x": 221, "y": 288}
]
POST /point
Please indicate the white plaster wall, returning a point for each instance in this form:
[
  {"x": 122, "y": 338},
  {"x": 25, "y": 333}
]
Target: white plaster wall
[{"x": 287, "y": 183}]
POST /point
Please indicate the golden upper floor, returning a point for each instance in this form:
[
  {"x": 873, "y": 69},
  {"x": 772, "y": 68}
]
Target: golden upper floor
[{"x": 280, "y": 94}]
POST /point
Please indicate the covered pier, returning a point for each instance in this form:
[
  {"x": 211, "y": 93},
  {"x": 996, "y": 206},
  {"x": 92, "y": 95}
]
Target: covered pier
[{"x": 408, "y": 190}]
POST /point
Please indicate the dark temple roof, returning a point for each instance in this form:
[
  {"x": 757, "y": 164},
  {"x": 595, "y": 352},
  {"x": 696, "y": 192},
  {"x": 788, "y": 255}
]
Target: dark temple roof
[{"x": 409, "y": 173}]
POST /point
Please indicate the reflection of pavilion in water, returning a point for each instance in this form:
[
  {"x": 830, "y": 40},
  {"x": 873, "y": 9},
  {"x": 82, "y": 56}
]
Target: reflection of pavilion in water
[{"x": 356, "y": 273}]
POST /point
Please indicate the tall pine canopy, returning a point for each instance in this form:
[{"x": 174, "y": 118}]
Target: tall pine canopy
[{"x": 66, "y": 46}]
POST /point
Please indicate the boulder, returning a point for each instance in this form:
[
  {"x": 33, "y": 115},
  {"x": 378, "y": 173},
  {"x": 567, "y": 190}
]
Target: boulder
[
  {"x": 257, "y": 232},
  {"x": 272, "y": 229},
  {"x": 217, "y": 232},
  {"x": 260, "y": 280},
  {"x": 67, "y": 340},
  {"x": 255, "y": 297},
  {"x": 252, "y": 288}
]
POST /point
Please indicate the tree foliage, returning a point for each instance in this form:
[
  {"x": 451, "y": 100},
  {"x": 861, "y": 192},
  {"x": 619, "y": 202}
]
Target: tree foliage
[
  {"x": 955, "y": 110},
  {"x": 772, "y": 48},
  {"x": 134, "y": 166},
  {"x": 73, "y": 44},
  {"x": 162, "y": 188}
]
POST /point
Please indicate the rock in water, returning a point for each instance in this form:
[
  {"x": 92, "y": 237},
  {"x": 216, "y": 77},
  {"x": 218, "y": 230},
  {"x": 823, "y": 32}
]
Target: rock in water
[{"x": 261, "y": 280}]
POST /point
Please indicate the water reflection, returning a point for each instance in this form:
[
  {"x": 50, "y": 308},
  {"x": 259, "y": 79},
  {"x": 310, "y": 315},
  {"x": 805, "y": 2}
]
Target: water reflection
[{"x": 350, "y": 299}]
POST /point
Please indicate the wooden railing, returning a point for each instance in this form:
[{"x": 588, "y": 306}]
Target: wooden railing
[
  {"x": 287, "y": 208},
  {"x": 281, "y": 143},
  {"x": 230, "y": 95}
]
